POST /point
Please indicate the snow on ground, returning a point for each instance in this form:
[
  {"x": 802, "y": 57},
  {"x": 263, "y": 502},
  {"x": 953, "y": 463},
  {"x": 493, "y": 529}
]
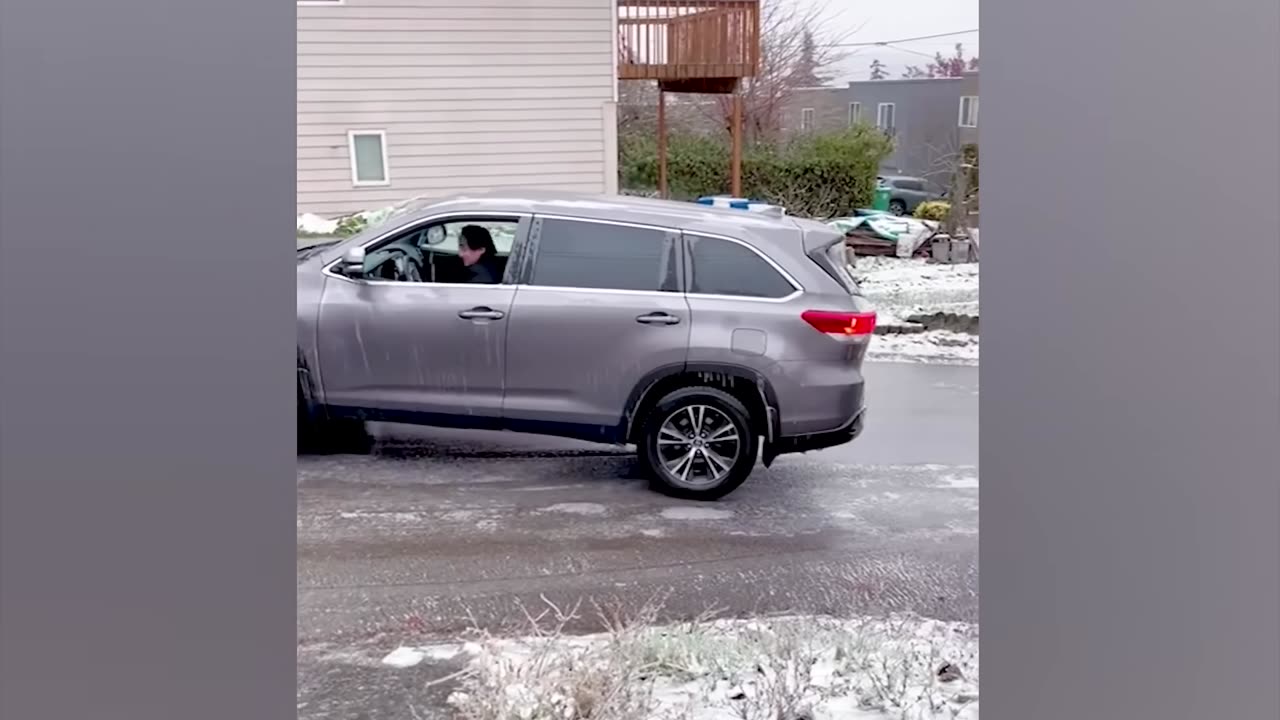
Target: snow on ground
[
  {"x": 899, "y": 289},
  {"x": 934, "y": 346},
  {"x": 797, "y": 667},
  {"x": 696, "y": 513},
  {"x": 313, "y": 224}
]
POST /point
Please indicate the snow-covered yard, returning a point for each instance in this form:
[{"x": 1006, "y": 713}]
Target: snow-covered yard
[
  {"x": 793, "y": 668},
  {"x": 905, "y": 290}
]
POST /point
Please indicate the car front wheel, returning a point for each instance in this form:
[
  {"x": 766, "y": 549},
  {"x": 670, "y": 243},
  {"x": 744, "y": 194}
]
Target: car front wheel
[{"x": 698, "y": 444}]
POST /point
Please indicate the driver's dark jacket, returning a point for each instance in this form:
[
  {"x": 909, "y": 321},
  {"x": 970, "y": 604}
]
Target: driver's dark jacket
[{"x": 483, "y": 273}]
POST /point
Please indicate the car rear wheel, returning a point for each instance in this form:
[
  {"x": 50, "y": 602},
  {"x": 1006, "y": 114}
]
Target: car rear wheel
[
  {"x": 698, "y": 444},
  {"x": 897, "y": 207}
]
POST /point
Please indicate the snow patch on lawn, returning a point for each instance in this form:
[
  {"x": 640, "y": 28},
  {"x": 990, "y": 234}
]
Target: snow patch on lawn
[
  {"x": 407, "y": 657},
  {"x": 404, "y": 657},
  {"x": 315, "y": 225},
  {"x": 820, "y": 668},
  {"x": 900, "y": 288}
]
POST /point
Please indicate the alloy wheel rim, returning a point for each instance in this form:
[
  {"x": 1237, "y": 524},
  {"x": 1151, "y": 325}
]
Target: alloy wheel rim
[{"x": 698, "y": 445}]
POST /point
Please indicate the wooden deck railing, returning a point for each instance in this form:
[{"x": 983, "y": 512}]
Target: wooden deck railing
[{"x": 688, "y": 40}]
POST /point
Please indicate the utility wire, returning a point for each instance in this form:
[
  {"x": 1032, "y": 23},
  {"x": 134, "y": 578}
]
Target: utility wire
[
  {"x": 909, "y": 50},
  {"x": 887, "y": 43}
]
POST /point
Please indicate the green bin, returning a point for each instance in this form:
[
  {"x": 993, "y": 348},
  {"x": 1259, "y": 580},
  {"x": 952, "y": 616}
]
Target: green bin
[{"x": 881, "y": 201}]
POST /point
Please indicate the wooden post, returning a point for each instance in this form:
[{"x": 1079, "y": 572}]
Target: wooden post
[
  {"x": 958, "y": 214},
  {"x": 662, "y": 144},
  {"x": 735, "y": 168}
]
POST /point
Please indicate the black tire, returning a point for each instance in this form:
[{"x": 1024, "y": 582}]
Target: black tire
[
  {"x": 654, "y": 463},
  {"x": 320, "y": 435},
  {"x": 897, "y": 207}
]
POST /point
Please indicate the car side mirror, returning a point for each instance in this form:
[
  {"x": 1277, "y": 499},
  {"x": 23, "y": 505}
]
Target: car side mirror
[{"x": 352, "y": 264}]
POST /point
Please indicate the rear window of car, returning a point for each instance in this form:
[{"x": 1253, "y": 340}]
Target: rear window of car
[
  {"x": 604, "y": 256},
  {"x": 724, "y": 267}
]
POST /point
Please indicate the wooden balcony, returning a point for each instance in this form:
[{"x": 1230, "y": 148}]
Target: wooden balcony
[{"x": 689, "y": 45}]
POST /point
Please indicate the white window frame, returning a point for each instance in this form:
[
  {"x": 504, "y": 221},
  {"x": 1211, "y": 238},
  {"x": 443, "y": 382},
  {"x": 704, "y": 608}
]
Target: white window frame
[
  {"x": 973, "y": 104},
  {"x": 321, "y": 3},
  {"x": 893, "y": 112},
  {"x": 855, "y": 113},
  {"x": 807, "y": 116},
  {"x": 351, "y": 154}
]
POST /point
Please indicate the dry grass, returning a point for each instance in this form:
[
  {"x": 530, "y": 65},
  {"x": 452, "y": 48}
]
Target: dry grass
[{"x": 779, "y": 669}]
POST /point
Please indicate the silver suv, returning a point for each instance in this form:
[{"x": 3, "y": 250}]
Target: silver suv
[{"x": 707, "y": 338}]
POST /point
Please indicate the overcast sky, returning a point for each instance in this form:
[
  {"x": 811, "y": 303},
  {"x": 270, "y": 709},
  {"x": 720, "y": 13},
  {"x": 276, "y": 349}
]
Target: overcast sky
[{"x": 881, "y": 21}]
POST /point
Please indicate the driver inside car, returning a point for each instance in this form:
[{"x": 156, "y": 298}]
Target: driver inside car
[{"x": 479, "y": 256}]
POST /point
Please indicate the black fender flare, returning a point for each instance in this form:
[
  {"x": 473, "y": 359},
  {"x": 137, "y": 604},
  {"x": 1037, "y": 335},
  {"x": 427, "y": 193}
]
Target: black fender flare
[
  {"x": 306, "y": 385},
  {"x": 762, "y": 384}
]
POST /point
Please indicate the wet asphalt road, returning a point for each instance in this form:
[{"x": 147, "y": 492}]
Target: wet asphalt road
[{"x": 438, "y": 530}]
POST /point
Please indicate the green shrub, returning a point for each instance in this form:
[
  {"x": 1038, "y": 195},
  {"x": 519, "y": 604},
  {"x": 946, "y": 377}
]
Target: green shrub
[
  {"x": 351, "y": 225},
  {"x": 935, "y": 210},
  {"x": 814, "y": 175}
]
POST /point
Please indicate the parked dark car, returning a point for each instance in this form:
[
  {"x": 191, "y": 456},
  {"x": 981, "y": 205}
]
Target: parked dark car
[{"x": 906, "y": 193}]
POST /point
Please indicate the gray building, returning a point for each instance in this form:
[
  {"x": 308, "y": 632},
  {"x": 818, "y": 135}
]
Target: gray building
[{"x": 930, "y": 119}]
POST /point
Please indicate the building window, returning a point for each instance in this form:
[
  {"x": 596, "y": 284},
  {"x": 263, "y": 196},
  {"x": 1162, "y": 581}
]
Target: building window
[
  {"x": 368, "y": 157},
  {"x": 855, "y": 113},
  {"x": 885, "y": 116},
  {"x": 969, "y": 111},
  {"x": 806, "y": 119},
  {"x": 304, "y": 3}
]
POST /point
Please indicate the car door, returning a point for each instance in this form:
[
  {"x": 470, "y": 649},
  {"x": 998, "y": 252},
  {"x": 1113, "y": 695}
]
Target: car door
[
  {"x": 419, "y": 351},
  {"x": 597, "y": 308},
  {"x": 917, "y": 192}
]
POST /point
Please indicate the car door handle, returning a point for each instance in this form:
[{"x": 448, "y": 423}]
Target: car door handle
[
  {"x": 658, "y": 318},
  {"x": 481, "y": 313}
]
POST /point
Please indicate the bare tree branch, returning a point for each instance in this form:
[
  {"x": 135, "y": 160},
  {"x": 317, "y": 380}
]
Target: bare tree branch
[{"x": 795, "y": 35}]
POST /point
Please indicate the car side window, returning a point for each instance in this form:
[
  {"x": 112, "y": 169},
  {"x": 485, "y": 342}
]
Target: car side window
[
  {"x": 430, "y": 253},
  {"x": 722, "y": 267},
  {"x": 604, "y": 256}
]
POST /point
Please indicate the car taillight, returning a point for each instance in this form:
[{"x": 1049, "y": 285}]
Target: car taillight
[{"x": 845, "y": 324}]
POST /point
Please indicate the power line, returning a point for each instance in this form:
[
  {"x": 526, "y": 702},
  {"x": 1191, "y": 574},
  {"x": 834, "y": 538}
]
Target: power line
[
  {"x": 909, "y": 50},
  {"x": 886, "y": 43}
]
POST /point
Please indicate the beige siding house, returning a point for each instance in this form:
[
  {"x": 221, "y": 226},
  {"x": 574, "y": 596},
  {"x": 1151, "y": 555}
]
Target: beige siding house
[{"x": 402, "y": 98}]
